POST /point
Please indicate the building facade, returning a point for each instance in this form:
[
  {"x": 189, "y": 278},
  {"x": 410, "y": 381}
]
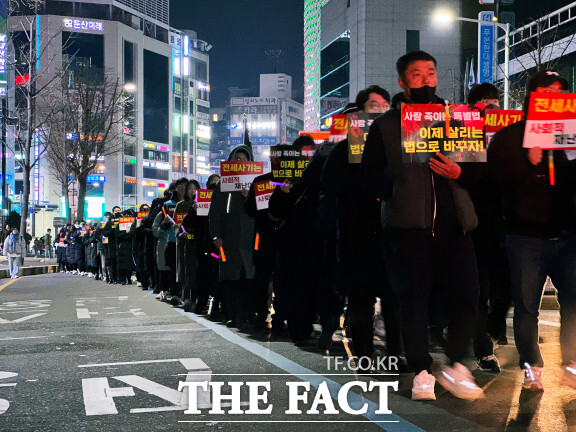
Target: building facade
[
  {"x": 271, "y": 118},
  {"x": 350, "y": 45},
  {"x": 166, "y": 71}
]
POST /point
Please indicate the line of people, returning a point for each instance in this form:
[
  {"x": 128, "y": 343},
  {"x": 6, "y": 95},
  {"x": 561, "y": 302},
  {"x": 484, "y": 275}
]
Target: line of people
[{"x": 444, "y": 245}]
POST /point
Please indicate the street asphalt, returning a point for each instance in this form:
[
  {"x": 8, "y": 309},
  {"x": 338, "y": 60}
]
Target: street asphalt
[{"x": 81, "y": 355}]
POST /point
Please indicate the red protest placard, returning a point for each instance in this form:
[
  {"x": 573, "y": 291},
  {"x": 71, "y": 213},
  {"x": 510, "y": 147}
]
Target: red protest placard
[
  {"x": 179, "y": 217},
  {"x": 203, "y": 199},
  {"x": 551, "y": 121},
  {"x": 125, "y": 222},
  {"x": 497, "y": 119},
  {"x": 425, "y": 132},
  {"x": 239, "y": 175},
  {"x": 338, "y": 127},
  {"x": 139, "y": 216},
  {"x": 263, "y": 191}
]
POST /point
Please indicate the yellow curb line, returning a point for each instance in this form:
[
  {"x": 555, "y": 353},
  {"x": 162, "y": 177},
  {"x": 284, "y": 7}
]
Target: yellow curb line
[{"x": 7, "y": 283}]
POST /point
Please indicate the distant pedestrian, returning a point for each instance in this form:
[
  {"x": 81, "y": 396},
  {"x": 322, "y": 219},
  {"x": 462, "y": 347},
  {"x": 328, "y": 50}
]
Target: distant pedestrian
[
  {"x": 48, "y": 244},
  {"x": 15, "y": 250}
]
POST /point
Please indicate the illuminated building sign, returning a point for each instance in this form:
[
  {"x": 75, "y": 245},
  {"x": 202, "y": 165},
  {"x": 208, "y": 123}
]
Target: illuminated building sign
[
  {"x": 203, "y": 86},
  {"x": 161, "y": 185},
  {"x": 3, "y": 39},
  {"x": 131, "y": 180},
  {"x": 21, "y": 79},
  {"x": 147, "y": 164},
  {"x": 149, "y": 184},
  {"x": 79, "y": 24},
  {"x": 96, "y": 178},
  {"x": 162, "y": 148},
  {"x": 203, "y": 131},
  {"x": 130, "y": 161},
  {"x": 150, "y": 146},
  {"x": 163, "y": 165}
]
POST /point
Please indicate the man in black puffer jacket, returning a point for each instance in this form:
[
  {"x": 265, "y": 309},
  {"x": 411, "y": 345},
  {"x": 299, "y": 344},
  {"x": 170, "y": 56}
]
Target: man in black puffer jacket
[{"x": 427, "y": 215}]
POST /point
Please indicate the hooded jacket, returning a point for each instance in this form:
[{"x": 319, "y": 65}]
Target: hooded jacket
[{"x": 413, "y": 195}]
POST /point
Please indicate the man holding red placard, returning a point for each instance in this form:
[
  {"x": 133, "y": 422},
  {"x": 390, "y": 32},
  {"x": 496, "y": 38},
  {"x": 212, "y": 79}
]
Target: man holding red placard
[{"x": 540, "y": 215}]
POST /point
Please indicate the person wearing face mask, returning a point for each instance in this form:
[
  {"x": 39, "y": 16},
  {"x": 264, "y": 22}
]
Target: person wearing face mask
[
  {"x": 359, "y": 264},
  {"x": 540, "y": 235},
  {"x": 427, "y": 216}
]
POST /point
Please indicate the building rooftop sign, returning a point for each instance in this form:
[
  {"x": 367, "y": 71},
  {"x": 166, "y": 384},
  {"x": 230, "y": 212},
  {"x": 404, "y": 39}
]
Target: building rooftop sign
[
  {"x": 82, "y": 24},
  {"x": 254, "y": 101}
]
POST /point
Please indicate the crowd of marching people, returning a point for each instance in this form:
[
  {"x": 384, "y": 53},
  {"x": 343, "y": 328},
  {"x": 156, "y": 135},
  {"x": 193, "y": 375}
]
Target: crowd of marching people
[{"x": 445, "y": 246}]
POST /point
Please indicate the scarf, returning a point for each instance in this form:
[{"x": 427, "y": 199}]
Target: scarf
[{"x": 13, "y": 239}]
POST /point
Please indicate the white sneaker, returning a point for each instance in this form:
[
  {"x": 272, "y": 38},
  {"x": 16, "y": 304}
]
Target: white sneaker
[
  {"x": 459, "y": 381},
  {"x": 423, "y": 387}
]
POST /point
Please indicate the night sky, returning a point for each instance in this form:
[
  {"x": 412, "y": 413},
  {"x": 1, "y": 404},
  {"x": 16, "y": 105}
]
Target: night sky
[{"x": 240, "y": 31}]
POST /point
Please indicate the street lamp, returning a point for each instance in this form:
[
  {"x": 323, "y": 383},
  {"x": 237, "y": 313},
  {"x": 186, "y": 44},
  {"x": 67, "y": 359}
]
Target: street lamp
[{"x": 444, "y": 17}]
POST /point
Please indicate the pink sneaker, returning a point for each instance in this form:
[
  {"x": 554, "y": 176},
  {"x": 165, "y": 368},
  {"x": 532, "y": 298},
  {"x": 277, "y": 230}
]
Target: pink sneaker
[
  {"x": 459, "y": 381},
  {"x": 423, "y": 387}
]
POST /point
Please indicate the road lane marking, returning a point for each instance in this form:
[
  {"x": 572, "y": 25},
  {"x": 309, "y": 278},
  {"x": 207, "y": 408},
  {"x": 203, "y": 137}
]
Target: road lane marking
[
  {"x": 18, "y": 320},
  {"x": 550, "y": 323},
  {"x": 26, "y": 337},
  {"x": 159, "y": 331},
  {"x": 128, "y": 363},
  {"x": 84, "y": 313},
  {"x": 7, "y": 284},
  {"x": 389, "y": 422}
]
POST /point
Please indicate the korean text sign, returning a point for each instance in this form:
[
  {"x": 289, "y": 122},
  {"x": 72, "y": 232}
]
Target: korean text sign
[
  {"x": 125, "y": 223},
  {"x": 239, "y": 175},
  {"x": 338, "y": 127},
  {"x": 497, "y": 119},
  {"x": 140, "y": 216},
  {"x": 551, "y": 121},
  {"x": 358, "y": 127},
  {"x": 203, "y": 199},
  {"x": 425, "y": 132},
  {"x": 263, "y": 191},
  {"x": 289, "y": 162}
]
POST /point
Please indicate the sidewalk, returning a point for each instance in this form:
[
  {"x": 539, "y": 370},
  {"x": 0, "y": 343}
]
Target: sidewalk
[{"x": 32, "y": 266}]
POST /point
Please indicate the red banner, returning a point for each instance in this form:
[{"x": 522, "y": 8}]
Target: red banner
[
  {"x": 551, "y": 121},
  {"x": 203, "y": 199},
  {"x": 263, "y": 191}
]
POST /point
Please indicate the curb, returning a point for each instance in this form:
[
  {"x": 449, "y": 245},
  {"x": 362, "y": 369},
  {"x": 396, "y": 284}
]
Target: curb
[{"x": 30, "y": 271}]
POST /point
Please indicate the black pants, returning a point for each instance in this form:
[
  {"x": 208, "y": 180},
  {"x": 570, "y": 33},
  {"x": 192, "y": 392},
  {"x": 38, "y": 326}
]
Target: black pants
[
  {"x": 168, "y": 277},
  {"x": 416, "y": 261},
  {"x": 188, "y": 269},
  {"x": 495, "y": 295}
]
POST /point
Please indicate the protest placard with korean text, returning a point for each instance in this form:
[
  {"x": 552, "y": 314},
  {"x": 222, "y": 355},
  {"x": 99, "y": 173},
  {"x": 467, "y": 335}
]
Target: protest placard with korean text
[
  {"x": 139, "y": 216},
  {"x": 425, "y": 132},
  {"x": 263, "y": 191},
  {"x": 551, "y": 121},
  {"x": 125, "y": 222},
  {"x": 178, "y": 218},
  {"x": 203, "y": 199},
  {"x": 289, "y": 162},
  {"x": 497, "y": 119},
  {"x": 358, "y": 127},
  {"x": 239, "y": 175},
  {"x": 338, "y": 127}
]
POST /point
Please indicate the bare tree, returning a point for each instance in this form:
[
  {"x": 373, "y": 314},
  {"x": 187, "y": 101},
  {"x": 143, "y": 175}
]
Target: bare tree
[
  {"x": 34, "y": 106},
  {"x": 90, "y": 127},
  {"x": 541, "y": 46}
]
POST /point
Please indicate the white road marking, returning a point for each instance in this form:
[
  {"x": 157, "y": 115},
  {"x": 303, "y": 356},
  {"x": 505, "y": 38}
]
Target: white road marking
[
  {"x": 96, "y": 400},
  {"x": 158, "y": 331},
  {"x": 128, "y": 363},
  {"x": 8, "y": 385},
  {"x": 153, "y": 388},
  {"x": 550, "y": 323},
  {"x": 26, "y": 318},
  {"x": 20, "y": 311},
  {"x": 6, "y": 375},
  {"x": 83, "y": 313},
  {"x": 20, "y": 338},
  {"x": 4, "y": 404}
]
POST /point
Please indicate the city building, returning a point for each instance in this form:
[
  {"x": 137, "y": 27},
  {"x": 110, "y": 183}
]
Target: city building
[
  {"x": 349, "y": 45},
  {"x": 166, "y": 71},
  {"x": 271, "y": 118}
]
